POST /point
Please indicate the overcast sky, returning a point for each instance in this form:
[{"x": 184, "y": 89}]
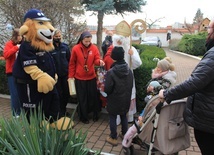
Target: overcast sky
[{"x": 172, "y": 11}]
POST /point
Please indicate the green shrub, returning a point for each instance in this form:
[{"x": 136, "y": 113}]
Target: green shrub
[
  {"x": 143, "y": 73},
  {"x": 193, "y": 44},
  {"x": 3, "y": 79}
]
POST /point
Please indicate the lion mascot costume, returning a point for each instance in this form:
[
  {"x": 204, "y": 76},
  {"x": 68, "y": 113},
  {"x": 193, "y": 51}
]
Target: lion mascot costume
[{"x": 35, "y": 72}]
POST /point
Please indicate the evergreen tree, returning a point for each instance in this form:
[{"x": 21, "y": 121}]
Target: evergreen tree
[
  {"x": 102, "y": 7},
  {"x": 198, "y": 17}
]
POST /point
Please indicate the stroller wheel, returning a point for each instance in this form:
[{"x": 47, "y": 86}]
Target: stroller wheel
[
  {"x": 132, "y": 149},
  {"x": 128, "y": 150},
  {"x": 137, "y": 140}
]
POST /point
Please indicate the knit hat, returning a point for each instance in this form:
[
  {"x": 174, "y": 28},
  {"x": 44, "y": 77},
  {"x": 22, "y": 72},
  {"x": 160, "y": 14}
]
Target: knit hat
[
  {"x": 164, "y": 65},
  {"x": 36, "y": 15},
  {"x": 117, "y": 53},
  {"x": 154, "y": 84}
]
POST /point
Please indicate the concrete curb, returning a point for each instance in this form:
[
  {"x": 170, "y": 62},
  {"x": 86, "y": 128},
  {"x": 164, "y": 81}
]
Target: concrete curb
[
  {"x": 5, "y": 96},
  {"x": 192, "y": 56}
]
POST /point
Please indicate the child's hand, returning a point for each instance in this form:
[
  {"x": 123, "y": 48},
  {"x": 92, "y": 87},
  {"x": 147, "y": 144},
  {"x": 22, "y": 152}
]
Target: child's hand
[{"x": 140, "y": 119}]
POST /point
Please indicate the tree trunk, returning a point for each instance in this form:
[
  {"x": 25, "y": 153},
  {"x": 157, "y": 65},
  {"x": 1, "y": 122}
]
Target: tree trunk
[{"x": 100, "y": 17}]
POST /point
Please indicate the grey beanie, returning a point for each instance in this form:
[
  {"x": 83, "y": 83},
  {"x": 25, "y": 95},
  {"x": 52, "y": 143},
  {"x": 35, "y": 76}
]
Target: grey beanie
[{"x": 164, "y": 65}]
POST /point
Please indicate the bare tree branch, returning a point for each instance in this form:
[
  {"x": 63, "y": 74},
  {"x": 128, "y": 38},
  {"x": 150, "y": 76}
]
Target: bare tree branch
[{"x": 65, "y": 15}]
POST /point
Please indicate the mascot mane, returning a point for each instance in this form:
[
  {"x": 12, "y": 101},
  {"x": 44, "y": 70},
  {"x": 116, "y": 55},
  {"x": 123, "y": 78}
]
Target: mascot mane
[{"x": 29, "y": 31}]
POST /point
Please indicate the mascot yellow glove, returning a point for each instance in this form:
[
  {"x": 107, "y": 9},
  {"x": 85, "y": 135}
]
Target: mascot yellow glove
[
  {"x": 44, "y": 81},
  {"x": 64, "y": 123}
]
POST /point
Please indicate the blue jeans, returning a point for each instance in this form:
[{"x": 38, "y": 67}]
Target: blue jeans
[
  {"x": 15, "y": 102},
  {"x": 113, "y": 125}
]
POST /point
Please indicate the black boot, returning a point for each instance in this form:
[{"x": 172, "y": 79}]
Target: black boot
[{"x": 95, "y": 116}]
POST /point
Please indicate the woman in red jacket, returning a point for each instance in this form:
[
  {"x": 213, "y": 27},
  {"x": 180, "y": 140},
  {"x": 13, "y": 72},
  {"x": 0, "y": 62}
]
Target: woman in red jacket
[
  {"x": 84, "y": 56},
  {"x": 10, "y": 52}
]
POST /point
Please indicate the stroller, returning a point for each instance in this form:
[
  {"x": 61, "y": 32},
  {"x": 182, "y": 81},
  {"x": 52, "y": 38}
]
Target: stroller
[{"x": 164, "y": 130}]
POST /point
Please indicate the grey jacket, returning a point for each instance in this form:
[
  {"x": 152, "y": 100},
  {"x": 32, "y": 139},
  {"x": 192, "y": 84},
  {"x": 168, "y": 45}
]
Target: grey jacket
[{"x": 199, "y": 89}]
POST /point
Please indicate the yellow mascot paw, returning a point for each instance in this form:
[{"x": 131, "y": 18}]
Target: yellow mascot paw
[
  {"x": 45, "y": 83},
  {"x": 63, "y": 123}
]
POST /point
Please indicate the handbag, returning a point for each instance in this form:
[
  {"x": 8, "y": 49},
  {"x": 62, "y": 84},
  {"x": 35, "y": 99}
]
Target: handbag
[{"x": 101, "y": 74}]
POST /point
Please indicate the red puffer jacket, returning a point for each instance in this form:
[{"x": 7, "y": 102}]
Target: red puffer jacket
[
  {"x": 80, "y": 56},
  {"x": 107, "y": 58},
  {"x": 9, "y": 53}
]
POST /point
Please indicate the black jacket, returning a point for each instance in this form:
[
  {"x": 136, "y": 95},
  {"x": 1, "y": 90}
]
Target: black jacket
[
  {"x": 61, "y": 56},
  {"x": 106, "y": 43},
  {"x": 118, "y": 86},
  {"x": 199, "y": 112}
]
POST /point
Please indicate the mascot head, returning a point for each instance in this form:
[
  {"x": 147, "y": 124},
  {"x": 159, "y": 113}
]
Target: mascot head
[{"x": 38, "y": 30}]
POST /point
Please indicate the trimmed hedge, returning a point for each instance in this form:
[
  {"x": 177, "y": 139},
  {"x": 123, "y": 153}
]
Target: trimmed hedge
[
  {"x": 193, "y": 44},
  {"x": 3, "y": 79}
]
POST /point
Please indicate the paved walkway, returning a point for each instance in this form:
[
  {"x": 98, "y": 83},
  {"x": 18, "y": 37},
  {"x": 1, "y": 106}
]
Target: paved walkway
[{"x": 98, "y": 131}]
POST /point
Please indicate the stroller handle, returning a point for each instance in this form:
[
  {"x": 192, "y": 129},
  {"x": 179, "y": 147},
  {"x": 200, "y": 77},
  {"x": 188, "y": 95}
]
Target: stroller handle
[{"x": 159, "y": 106}]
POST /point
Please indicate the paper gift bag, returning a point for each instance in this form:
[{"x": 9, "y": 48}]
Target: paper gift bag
[{"x": 72, "y": 88}]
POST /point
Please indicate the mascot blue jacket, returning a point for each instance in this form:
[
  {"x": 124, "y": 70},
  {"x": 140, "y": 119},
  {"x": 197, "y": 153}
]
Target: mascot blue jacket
[{"x": 34, "y": 68}]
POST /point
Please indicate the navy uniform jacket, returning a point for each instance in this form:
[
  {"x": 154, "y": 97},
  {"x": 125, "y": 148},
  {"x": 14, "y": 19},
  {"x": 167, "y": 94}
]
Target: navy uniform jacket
[
  {"x": 61, "y": 55},
  {"x": 28, "y": 56}
]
